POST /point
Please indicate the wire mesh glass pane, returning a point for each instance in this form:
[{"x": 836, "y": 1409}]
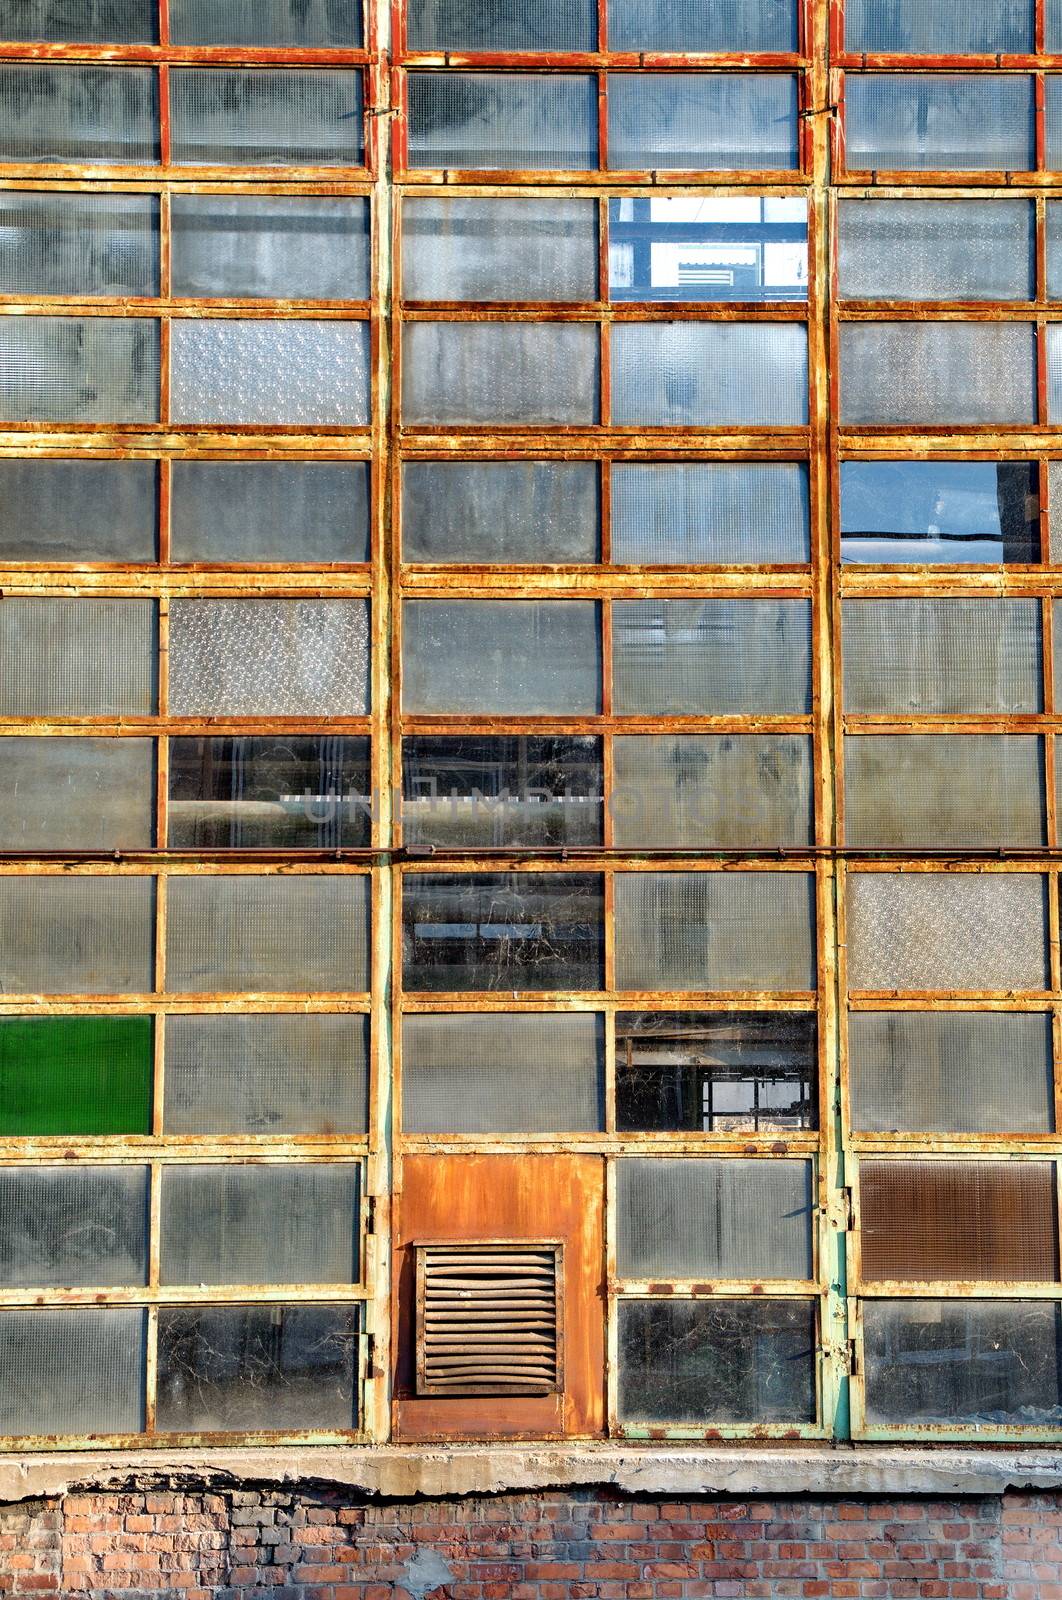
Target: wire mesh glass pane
[
  {"x": 258, "y": 117},
  {"x": 267, "y": 1075},
  {"x": 75, "y": 1075},
  {"x": 1053, "y": 104},
  {"x": 309, "y": 23},
  {"x": 79, "y": 369},
  {"x": 92, "y": 115},
  {"x": 77, "y": 794},
  {"x": 708, "y": 513},
  {"x": 77, "y": 658},
  {"x": 1053, "y": 20},
  {"x": 287, "y": 247},
  {"x": 66, "y": 1372},
  {"x": 709, "y": 374},
  {"x": 490, "y": 25},
  {"x": 79, "y": 244},
  {"x": 678, "y": 26},
  {"x": 947, "y": 930},
  {"x": 947, "y": 656},
  {"x": 503, "y": 1074},
  {"x": 944, "y": 791},
  {"x": 73, "y": 1227},
  {"x": 255, "y": 1369},
  {"x": 520, "y": 789},
  {"x": 937, "y": 373},
  {"x": 310, "y": 791},
  {"x": 82, "y": 21},
  {"x": 699, "y": 1361},
  {"x": 936, "y": 250},
  {"x": 77, "y": 510},
  {"x": 507, "y": 122},
  {"x": 711, "y": 657},
  {"x": 904, "y": 123},
  {"x": 279, "y": 658},
  {"x": 704, "y": 121},
  {"x": 267, "y": 372},
  {"x": 287, "y": 512},
  {"x": 475, "y": 249},
  {"x": 268, "y": 934},
  {"x": 753, "y": 248},
  {"x": 711, "y": 932},
  {"x": 718, "y": 791},
  {"x": 521, "y": 657},
  {"x": 984, "y": 27},
  {"x": 1054, "y": 250},
  {"x": 714, "y": 1219},
  {"x": 77, "y": 935},
  {"x": 1054, "y": 373},
  {"x": 292, "y": 1223},
  {"x": 501, "y": 511},
  {"x": 500, "y": 372},
  {"x": 940, "y": 512}
]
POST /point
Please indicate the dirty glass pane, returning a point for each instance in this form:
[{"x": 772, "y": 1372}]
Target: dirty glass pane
[
  {"x": 82, "y": 21},
  {"x": 937, "y": 373},
  {"x": 496, "y": 25},
  {"x": 66, "y": 114},
  {"x": 753, "y": 248},
  {"x": 944, "y": 791},
  {"x": 490, "y": 121},
  {"x": 77, "y": 510},
  {"x": 286, "y": 247},
  {"x": 906, "y": 123},
  {"x": 947, "y": 656},
  {"x": 505, "y": 931},
  {"x": 297, "y": 792},
  {"x": 699, "y": 1361},
  {"x": 947, "y": 930},
  {"x": 997, "y": 1363},
  {"x": 726, "y": 791},
  {"x": 519, "y": 789},
  {"x": 710, "y": 657},
  {"x": 79, "y": 244},
  {"x": 704, "y": 513},
  {"x": 501, "y": 511},
  {"x": 253, "y": 1369},
  {"x": 1054, "y": 374},
  {"x": 982, "y": 27},
  {"x": 75, "y": 1075},
  {"x": 76, "y": 658},
  {"x": 940, "y": 512},
  {"x": 77, "y": 935},
  {"x": 76, "y": 794},
  {"x": 476, "y": 249},
  {"x": 709, "y": 374},
  {"x": 675, "y": 26},
  {"x": 267, "y": 22},
  {"x": 267, "y": 1075},
  {"x": 73, "y": 1226},
  {"x": 951, "y": 1072},
  {"x": 716, "y": 1071},
  {"x": 704, "y": 121},
  {"x": 72, "y": 1372},
  {"x": 510, "y": 657},
  {"x": 1053, "y": 98},
  {"x": 503, "y": 1074},
  {"x": 1054, "y": 250},
  {"x": 279, "y": 658},
  {"x": 713, "y": 1219},
  {"x": 267, "y": 372},
  {"x": 936, "y": 250},
  {"x": 286, "y": 512},
  {"x": 500, "y": 372},
  {"x": 261, "y": 117},
  {"x": 289, "y": 1223},
  {"x": 79, "y": 369},
  {"x": 268, "y": 933},
  {"x": 715, "y": 931}
]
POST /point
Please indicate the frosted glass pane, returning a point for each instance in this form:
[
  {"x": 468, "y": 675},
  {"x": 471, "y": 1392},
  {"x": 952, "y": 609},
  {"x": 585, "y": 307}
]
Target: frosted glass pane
[
  {"x": 287, "y": 247},
  {"x": 77, "y": 658},
  {"x": 725, "y": 791},
  {"x": 502, "y": 122},
  {"x": 277, "y": 511},
  {"x": 472, "y": 249},
  {"x": 500, "y": 372},
  {"x": 497, "y": 790},
  {"x": 902, "y": 123},
  {"x": 946, "y": 656},
  {"x": 233, "y": 371},
  {"x": 309, "y": 23},
  {"x": 937, "y": 373},
  {"x": 77, "y": 935},
  {"x": 79, "y": 369},
  {"x": 511, "y": 657},
  {"x": 705, "y": 374},
  {"x": 708, "y": 513},
  {"x": 66, "y": 114},
  {"x": 708, "y": 249},
  {"x": 272, "y": 791},
  {"x": 1054, "y": 374},
  {"x": 688, "y": 25},
  {"x": 73, "y": 1227},
  {"x": 77, "y": 794},
  {"x": 501, "y": 511},
  {"x": 1053, "y": 15},
  {"x": 258, "y": 117},
  {"x": 711, "y": 657},
  {"x": 82, "y": 21},
  {"x": 77, "y": 510},
  {"x": 488, "y": 25},
  {"x": 942, "y": 512},
  {"x": 982, "y": 27},
  {"x": 79, "y": 244},
  {"x": 708, "y": 121},
  {"x": 1053, "y": 106},
  {"x": 72, "y": 1372},
  {"x": 944, "y": 791},
  {"x": 936, "y": 250}
]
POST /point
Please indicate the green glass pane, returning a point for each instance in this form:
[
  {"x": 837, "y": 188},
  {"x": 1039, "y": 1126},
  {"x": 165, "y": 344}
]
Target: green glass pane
[{"x": 67, "y": 1075}]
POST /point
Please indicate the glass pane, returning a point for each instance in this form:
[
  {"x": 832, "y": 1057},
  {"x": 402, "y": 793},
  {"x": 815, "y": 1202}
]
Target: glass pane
[
  {"x": 79, "y": 369},
  {"x": 286, "y": 512},
  {"x": 72, "y": 1372},
  {"x": 716, "y": 1072},
  {"x": 695, "y": 1361},
  {"x": 675, "y": 26},
  {"x": 1053, "y": 103},
  {"x": 522, "y": 657},
  {"x": 502, "y": 122},
  {"x": 903, "y": 123},
  {"x": 77, "y": 510},
  {"x": 706, "y": 513},
  {"x": 267, "y": 1075},
  {"x": 260, "y": 1224},
  {"x": 713, "y": 1219},
  {"x": 253, "y": 1369},
  {"x": 500, "y": 372},
  {"x": 503, "y": 1074},
  {"x": 983, "y": 27},
  {"x": 274, "y": 247},
  {"x": 77, "y": 935},
  {"x": 273, "y": 791},
  {"x": 267, "y": 372},
  {"x": 500, "y": 511},
  {"x": 940, "y": 512},
  {"x": 539, "y": 791},
  {"x": 709, "y": 374},
  {"x": 1054, "y": 373},
  {"x": 278, "y": 658},
  {"x": 936, "y": 250},
  {"x": 77, "y": 794},
  {"x": 705, "y": 121},
  {"x": 257, "y": 117},
  {"x": 993, "y": 1363},
  {"x": 77, "y": 658},
  {"x": 65, "y": 114},
  {"x": 947, "y": 930},
  {"x": 1053, "y": 17},
  {"x": 711, "y": 657},
  {"x": 733, "y": 249},
  {"x": 947, "y": 656},
  {"x": 473, "y": 249},
  {"x": 75, "y": 1075},
  {"x": 73, "y": 1227},
  {"x": 937, "y": 373},
  {"x": 268, "y": 934},
  {"x": 1054, "y": 250},
  {"x": 506, "y": 931},
  {"x": 467, "y": 25},
  {"x": 82, "y": 21},
  {"x": 715, "y": 931},
  {"x": 944, "y": 791},
  {"x": 266, "y": 22},
  {"x": 78, "y": 244},
  {"x": 717, "y": 791}
]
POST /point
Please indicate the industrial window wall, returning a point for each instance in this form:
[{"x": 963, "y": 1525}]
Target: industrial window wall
[{"x": 529, "y": 845}]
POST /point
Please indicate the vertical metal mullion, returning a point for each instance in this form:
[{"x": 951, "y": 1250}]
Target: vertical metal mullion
[
  {"x": 1040, "y": 205},
  {"x": 602, "y": 122},
  {"x": 605, "y": 509},
  {"x": 1040, "y": 39},
  {"x": 165, "y": 136},
  {"x": 1041, "y": 121}
]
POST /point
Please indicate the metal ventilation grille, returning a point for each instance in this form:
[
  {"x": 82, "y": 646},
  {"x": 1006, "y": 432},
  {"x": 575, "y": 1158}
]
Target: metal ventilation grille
[{"x": 487, "y": 1319}]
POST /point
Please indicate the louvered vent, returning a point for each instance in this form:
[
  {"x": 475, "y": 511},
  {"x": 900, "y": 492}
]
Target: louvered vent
[{"x": 488, "y": 1318}]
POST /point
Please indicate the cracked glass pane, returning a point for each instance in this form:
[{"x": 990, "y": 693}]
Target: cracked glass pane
[{"x": 506, "y": 790}]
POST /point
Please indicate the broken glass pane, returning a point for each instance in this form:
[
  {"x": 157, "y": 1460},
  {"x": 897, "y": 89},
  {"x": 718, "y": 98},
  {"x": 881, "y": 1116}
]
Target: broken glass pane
[
  {"x": 296, "y": 792},
  {"x": 753, "y": 248},
  {"x": 518, "y": 789},
  {"x": 940, "y": 512},
  {"x": 73, "y": 1226}
]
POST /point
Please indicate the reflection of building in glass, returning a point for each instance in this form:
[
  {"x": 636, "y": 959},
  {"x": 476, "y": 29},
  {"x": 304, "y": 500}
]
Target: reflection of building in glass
[{"x": 694, "y": 248}]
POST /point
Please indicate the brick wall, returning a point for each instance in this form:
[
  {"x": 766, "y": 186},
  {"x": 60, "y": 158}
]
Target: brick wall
[{"x": 263, "y": 1545}]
